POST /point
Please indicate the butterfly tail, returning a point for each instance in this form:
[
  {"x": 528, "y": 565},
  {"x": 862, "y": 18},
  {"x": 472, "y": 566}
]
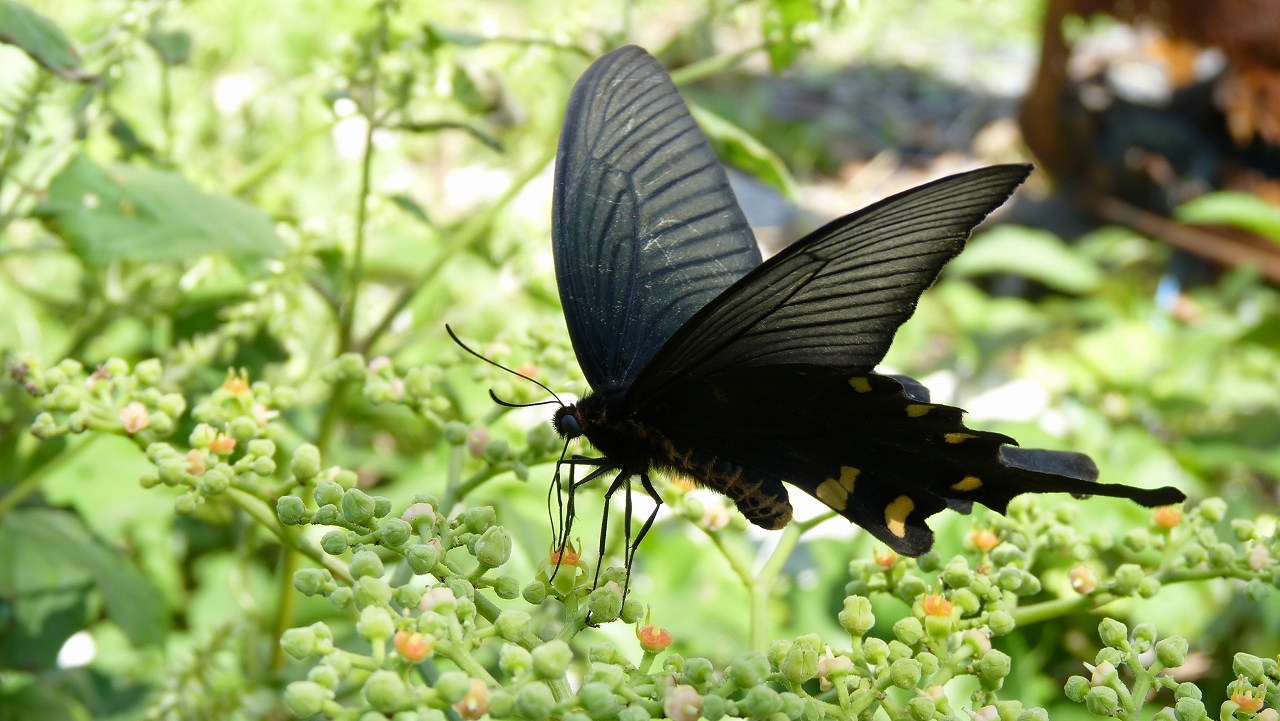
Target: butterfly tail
[{"x": 1035, "y": 470}]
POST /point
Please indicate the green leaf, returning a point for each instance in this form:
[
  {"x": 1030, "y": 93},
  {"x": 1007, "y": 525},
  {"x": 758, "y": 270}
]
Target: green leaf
[
  {"x": 741, "y": 149},
  {"x": 438, "y": 35},
  {"x": 139, "y": 214},
  {"x": 131, "y": 600},
  {"x": 40, "y": 38},
  {"x": 784, "y": 21},
  {"x": 1033, "y": 254},
  {"x": 173, "y": 46},
  {"x": 1235, "y": 208},
  {"x": 412, "y": 207}
]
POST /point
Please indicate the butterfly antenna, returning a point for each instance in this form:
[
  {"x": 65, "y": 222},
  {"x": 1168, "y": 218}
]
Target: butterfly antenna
[
  {"x": 496, "y": 364},
  {"x": 508, "y": 404}
]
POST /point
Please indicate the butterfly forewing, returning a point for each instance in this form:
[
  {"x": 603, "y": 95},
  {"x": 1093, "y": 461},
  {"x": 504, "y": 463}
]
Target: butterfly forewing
[
  {"x": 836, "y": 297},
  {"x": 646, "y": 229}
]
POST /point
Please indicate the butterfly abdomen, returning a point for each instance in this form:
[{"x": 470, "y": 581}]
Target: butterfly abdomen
[{"x": 754, "y": 495}]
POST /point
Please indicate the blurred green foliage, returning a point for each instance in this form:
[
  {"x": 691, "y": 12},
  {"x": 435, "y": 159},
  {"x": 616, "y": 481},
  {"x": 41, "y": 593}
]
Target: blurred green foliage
[{"x": 304, "y": 192}]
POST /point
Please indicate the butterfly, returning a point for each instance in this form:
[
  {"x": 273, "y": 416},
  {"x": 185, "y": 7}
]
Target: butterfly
[{"x": 743, "y": 375}]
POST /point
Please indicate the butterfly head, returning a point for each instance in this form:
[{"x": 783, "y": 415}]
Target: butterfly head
[{"x": 567, "y": 423}]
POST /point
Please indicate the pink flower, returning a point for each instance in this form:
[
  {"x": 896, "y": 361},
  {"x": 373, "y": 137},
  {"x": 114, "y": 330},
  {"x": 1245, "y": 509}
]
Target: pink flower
[
  {"x": 222, "y": 444},
  {"x": 476, "y": 703},
  {"x": 477, "y": 439},
  {"x": 134, "y": 417},
  {"x": 683, "y": 704},
  {"x": 196, "y": 462},
  {"x": 654, "y": 639},
  {"x": 1083, "y": 579}
]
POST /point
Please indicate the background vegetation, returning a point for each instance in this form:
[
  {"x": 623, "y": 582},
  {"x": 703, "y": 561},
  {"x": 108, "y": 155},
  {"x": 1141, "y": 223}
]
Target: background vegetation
[{"x": 231, "y": 234}]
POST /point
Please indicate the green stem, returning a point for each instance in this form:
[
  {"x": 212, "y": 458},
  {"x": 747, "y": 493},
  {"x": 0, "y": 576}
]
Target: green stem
[
  {"x": 762, "y": 586},
  {"x": 262, "y": 513},
  {"x": 453, "y": 479},
  {"x": 31, "y": 483},
  {"x": 735, "y": 559},
  {"x": 348, "y": 317},
  {"x": 271, "y": 162},
  {"x": 467, "y": 235},
  {"x": 710, "y": 66},
  {"x": 284, "y": 609},
  {"x": 464, "y": 661},
  {"x": 332, "y": 412}
]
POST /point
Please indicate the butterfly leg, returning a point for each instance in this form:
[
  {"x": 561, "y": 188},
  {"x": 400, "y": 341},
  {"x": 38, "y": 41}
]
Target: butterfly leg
[
  {"x": 604, "y": 523},
  {"x": 570, "y": 512},
  {"x": 644, "y": 529}
]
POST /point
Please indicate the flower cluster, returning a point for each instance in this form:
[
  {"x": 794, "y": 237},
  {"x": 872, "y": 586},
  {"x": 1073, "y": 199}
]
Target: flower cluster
[{"x": 113, "y": 398}]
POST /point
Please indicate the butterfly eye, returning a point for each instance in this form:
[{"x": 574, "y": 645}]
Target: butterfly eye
[{"x": 566, "y": 423}]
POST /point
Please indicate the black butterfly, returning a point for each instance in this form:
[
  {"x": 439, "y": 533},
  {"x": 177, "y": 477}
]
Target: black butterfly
[{"x": 705, "y": 362}]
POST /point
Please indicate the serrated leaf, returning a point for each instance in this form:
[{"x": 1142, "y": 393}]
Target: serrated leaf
[
  {"x": 1032, "y": 254},
  {"x": 741, "y": 149},
  {"x": 131, "y": 600},
  {"x": 1234, "y": 208},
  {"x": 40, "y": 38},
  {"x": 127, "y": 213}
]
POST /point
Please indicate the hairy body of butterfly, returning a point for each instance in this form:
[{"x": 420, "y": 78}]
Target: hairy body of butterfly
[{"x": 741, "y": 374}]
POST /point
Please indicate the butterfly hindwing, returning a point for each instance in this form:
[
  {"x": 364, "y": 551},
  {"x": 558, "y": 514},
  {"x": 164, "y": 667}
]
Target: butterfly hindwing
[
  {"x": 836, "y": 297},
  {"x": 882, "y": 457},
  {"x": 645, "y": 226}
]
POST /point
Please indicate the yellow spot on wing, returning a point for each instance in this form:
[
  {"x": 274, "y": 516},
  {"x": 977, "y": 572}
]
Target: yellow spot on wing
[
  {"x": 968, "y": 483},
  {"x": 848, "y": 474},
  {"x": 915, "y": 410},
  {"x": 860, "y": 384},
  {"x": 895, "y": 515},
  {"x": 958, "y": 437},
  {"x": 833, "y": 494}
]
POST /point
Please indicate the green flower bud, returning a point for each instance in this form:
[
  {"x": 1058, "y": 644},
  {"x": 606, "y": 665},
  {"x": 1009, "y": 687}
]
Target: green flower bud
[
  {"x": 632, "y": 611},
  {"x": 1077, "y": 687},
  {"x": 1189, "y": 709},
  {"x": 161, "y": 424},
  {"x": 513, "y": 625},
  {"x": 875, "y": 651},
  {"x": 634, "y": 712},
  {"x": 501, "y": 704},
  {"x": 291, "y": 510},
  {"x": 929, "y": 562},
  {"x": 967, "y": 601},
  {"x": 909, "y": 630},
  {"x": 298, "y": 642},
  {"x": 348, "y": 480},
  {"x": 714, "y": 707},
  {"x": 992, "y": 669},
  {"x": 186, "y": 503},
  {"x": 375, "y": 623},
  {"x": 386, "y": 692},
  {"x": 305, "y": 698},
  {"x": 749, "y": 668},
  {"x": 478, "y": 520},
  {"x": 172, "y": 404},
  {"x": 242, "y": 429},
  {"x": 357, "y": 506},
  {"x": 535, "y": 592},
  {"x": 514, "y": 660},
  {"x": 534, "y": 702},
  {"x": 1000, "y": 623},
  {"x": 921, "y": 708},
  {"x": 1137, "y": 540},
  {"x": 455, "y": 433},
  {"x": 372, "y": 591},
  {"x": 497, "y": 450},
  {"x": 341, "y": 597},
  {"x": 327, "y": 493},
  {"x": 452, "y": 686},
  {"x": 283, "y": 397},
  {"x": 1009, "y": 579},
  {"x": 306, "y": 464},
  {"x": 1113, "y": 656},
  {"x": 605, "y": 603},
  {"x": 1186, "y": 689},
  {"x": 1034, "y": 713},
  {"x": 149, "y": 480},
  {"x": 905, "y": 672},
  {"x": 1195, "y": 555},
  {"x": 1114, "y": 633},
  {"x": 395, "y": 532},
  {"x": 597, "y": 700},
  {"x": 792, "y": 705},
  {"x": 1257, "y": 589},
  {"x": 461, "y": 588},
  {"x": 1213, "y": 509},
  {"x": 1102, "y": 701},
  {"x": 325, "y": 515},
  {"x": 606, "y": 673},
  {"x": 261, "y": 448},
  {"x": 324, "y": 675},
  {"x": 381, "y": 506},
  {"x": 494, "y": 548},
  {"x": 698, "y": 672},
  {"x": 215, "y": 480},
  {"x": 857, "y": 618},
  {"x": 507, "y": 587},
  {"x": 313, "y": 581},
  {"x": 760, "y": 702},
  {"x": 1128, "y": 577},
  {"x": 778, "y": 650},
  {"x": 421, "y": 557},
  {"x": 408, "y": 597},
  {"x": 1249, "y": 666},
  {"x": 928, "y": 663},
  {"x": 956, "y": 573},
  {"x": 1149, "y": 587},
  {"x": 148, "y": 372},
  {"x": 1007, "y": 553},
  {"x": 910, "y": 588},
  {"x": 264, "y": 466},
  {"x": 897, "y": 650},
  {"x": 1144, "y": 636},
  {"x": 1221, "y": 555},
  {"x": 800, "y": 664},
  {"x": 551, "y": 658},
  {"x": 78, "y": 422},
  {"x": 366, "y": 563}
]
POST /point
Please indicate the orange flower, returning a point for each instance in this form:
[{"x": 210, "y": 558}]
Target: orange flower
[
  {"x": 984, "y": 540},
  {"x": 936, "y": 605},
  {"x": 236, "y": 384},
  {"x": 222, "y": 444},
  {"x": 413, "y": 646},
  {"x": 570, "y": 557},
  {"x": 653, "y": 638},
  {"x": 476, "y": 703},
  {"x": 1168, "y": 516},
  {"x": 1248, "y": 702},
  {"x": 196, "y": 463},
  {"x": 886, "y": 559}
]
